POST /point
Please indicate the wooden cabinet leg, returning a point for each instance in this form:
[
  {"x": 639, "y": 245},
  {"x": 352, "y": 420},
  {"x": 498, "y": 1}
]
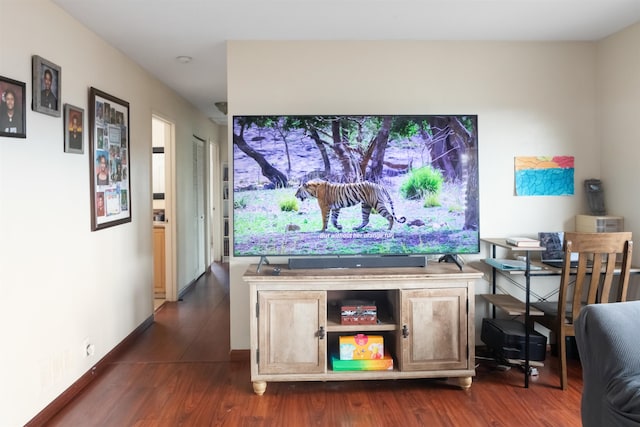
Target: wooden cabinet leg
[
  {"x": 465, "y": 382},
  {"x": 259, "y": 387}
]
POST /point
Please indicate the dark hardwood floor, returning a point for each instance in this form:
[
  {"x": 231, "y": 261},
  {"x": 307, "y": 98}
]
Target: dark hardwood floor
[{"x": 179, "y": 373}]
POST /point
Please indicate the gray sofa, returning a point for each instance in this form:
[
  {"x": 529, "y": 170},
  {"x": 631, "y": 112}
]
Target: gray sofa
[{"x": 608, "y": 339}]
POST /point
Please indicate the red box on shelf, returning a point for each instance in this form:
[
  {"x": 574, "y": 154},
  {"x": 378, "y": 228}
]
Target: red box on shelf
[{"x": 356, "y": 312}]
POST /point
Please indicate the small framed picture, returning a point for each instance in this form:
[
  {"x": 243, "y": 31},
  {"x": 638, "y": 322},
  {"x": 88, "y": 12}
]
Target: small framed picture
[
  {"x": 47, "y": 82},
  {"x": 73, "y": 129},
  {"x": 13, "y": 110}
]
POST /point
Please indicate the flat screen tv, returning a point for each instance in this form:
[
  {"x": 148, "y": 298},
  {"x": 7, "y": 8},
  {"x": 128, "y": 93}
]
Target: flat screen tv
[{"x": 342, "y": 185}]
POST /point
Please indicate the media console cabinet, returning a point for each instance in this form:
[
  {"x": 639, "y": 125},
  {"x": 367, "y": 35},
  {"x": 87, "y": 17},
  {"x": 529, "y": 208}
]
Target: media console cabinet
[{"x": 425, "y": 315}]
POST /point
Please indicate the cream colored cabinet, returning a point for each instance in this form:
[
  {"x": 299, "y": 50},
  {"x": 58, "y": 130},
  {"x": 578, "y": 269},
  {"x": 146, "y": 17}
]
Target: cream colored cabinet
[{"x": 425, "y": 316}]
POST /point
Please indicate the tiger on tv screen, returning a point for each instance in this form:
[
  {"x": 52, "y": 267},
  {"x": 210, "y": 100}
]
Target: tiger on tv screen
[{"x": 355, "y": 185}]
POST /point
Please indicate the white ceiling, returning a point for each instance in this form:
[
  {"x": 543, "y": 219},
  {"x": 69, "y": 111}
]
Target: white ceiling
[{"x": 154, "y": 32}]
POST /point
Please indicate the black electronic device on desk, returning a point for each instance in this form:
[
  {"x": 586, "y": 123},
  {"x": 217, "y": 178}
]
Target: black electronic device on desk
[
  {"x": 506, "y": 339},
  {"x": 553, "y": 256},
  {"x": 595, "y": 196}
]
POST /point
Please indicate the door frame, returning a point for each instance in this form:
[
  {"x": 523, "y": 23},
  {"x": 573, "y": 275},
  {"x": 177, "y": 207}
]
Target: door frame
[
  {"x": 201, "y": 187},
  {"x": 171, "y": 259},
  {"x": 215, "y": 205}
]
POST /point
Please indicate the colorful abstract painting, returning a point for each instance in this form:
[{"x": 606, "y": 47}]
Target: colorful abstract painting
[{"x": 544, "y": 176}]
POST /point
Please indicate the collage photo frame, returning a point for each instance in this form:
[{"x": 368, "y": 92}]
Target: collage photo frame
[{"x": 109, "y": 161}]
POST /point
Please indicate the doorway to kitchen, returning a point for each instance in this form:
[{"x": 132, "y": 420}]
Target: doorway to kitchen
[{"x": 163, "y": 184}]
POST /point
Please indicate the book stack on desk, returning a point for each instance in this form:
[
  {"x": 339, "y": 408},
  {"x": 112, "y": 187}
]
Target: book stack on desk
[{"x": 523, "y": 242}]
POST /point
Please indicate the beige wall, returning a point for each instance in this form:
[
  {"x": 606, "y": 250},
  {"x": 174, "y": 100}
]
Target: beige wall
[
  {"x": 619, "y": 133},
  {"x": 55, "y": 277},
  {"x": 531, "y": 99},
  {"x": 61, "y": 283}
]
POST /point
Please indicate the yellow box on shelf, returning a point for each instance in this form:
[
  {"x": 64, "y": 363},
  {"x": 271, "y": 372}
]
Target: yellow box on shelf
[{"x": 361, "y": 346}]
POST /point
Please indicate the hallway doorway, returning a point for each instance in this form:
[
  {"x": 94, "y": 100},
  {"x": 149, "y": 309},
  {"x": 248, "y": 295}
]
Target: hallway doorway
[{"x": 163, "y": 183}]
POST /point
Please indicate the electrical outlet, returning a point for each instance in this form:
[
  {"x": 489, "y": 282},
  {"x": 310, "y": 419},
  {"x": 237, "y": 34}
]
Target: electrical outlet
[{"x": 88, "y": 348}]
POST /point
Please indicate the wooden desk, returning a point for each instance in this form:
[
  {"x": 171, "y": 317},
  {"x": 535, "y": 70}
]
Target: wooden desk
[
  {"x": 512, "y": 305},
  {"x": 527, "y": 251}
]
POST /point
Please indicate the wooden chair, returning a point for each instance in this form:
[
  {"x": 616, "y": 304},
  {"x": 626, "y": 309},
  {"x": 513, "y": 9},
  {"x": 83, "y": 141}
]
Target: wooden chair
[{"x": 594, "y": 250}]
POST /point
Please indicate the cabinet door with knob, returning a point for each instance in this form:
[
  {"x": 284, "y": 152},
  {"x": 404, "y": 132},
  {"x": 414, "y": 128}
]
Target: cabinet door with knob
[
  {"x": 434, "y": 330},
  {"x": 291, "y": 332}
]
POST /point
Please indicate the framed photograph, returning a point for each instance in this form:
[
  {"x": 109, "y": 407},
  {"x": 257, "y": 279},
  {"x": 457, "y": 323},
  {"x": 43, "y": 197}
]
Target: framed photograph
[
  {"x": 47, "y": 81},
  {"x": 73, "y": 129},
  {"x": 109, "y": 160},
  {"x": 13, "y": 110}
]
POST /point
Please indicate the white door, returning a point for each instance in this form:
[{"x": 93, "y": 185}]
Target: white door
[
  {"x": 199, "y": 190},
  {"x": 215, "y": 196}
]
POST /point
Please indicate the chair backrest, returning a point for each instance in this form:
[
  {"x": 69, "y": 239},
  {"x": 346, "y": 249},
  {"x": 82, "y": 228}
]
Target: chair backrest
[{"x": 597, "y": 252}]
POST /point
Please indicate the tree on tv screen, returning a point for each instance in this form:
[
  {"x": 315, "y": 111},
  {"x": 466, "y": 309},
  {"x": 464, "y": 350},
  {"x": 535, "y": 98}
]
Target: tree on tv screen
[{"x": 351, "y": 148}]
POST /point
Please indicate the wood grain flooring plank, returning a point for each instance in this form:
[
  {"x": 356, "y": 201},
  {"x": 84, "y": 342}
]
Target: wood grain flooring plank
[{"x": 179, "y": 373}]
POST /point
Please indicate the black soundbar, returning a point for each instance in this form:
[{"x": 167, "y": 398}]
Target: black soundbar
[{"x": 357, "y": 262}]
